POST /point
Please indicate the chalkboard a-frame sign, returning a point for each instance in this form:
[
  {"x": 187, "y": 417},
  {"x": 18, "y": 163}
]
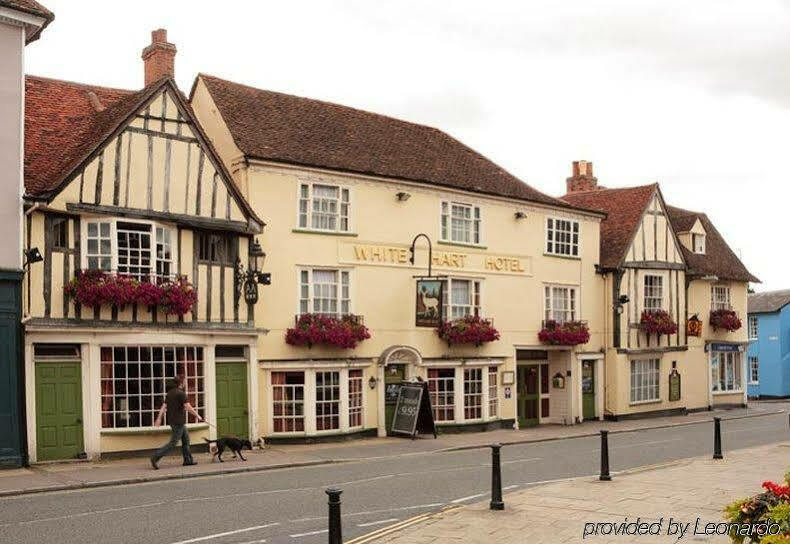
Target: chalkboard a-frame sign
[{"x": 413, "y": 413}]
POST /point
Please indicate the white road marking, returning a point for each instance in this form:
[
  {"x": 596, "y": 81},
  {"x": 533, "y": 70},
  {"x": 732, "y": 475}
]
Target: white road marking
[
  {"x": 509, "y": 487},
  {"x": 470, "y": 497},
  {"x": 371, "y": 523},
  {"x": 311, "y": 533},
  {"x": 369, "y": 512},
  {"x": 253, "y": 542},
  {"x": 83, "y": 514},
  {"x": 228, "y": 533},
  {"x": 525, "y": 460}
]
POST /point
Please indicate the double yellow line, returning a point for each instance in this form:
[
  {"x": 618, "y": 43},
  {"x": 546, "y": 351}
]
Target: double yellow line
[{"x": 384, "y": 531}]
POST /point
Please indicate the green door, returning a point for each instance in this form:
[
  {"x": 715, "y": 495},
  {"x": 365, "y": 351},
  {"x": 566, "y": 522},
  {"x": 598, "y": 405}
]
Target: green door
[
  {"x": 588, "y": 389},
  {"x": 394, "y": 374},
  {"x": 528, "y": 396},
  {"x": 58, "y": 411},
  {"x": 232, "y": 407}
]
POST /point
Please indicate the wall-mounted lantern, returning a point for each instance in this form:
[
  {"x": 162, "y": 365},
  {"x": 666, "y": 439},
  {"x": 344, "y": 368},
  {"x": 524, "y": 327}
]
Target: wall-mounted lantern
[
  {"x": 372, "y": 382},
  {"x": 31, "y": 256},
  {"x": 403, "y": 196},
  {"x": 622, "y": 300},
  {"x": 247, "y": 281},
  {"x": 520, "y": 215}
]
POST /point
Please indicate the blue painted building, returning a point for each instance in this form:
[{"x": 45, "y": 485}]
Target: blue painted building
[{"x": 768, "y": 355}]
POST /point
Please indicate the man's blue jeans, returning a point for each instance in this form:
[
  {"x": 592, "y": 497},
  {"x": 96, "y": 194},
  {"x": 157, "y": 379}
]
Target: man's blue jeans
[{"x": 177, "y": 432}]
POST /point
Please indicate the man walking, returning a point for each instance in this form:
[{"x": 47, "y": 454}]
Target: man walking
[{"x": 177, "y": 407}]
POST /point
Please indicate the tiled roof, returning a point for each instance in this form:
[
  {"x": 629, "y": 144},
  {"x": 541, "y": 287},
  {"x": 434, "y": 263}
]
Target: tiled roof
[
  {"x": 32, "y": 7},
  {"x": 290, "y": 129},
  {"x": 624, "y": 209},
  {"x": 769, "y": 301},
  {"x": 718, "y": 259}
]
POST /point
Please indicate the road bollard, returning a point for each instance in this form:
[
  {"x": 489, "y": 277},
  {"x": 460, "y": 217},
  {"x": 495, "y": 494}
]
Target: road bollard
[
  {"x": 605, "y": 476},
  {"x": 335, "y": 527},
  {"x": 717, "y": 438},
  {"x": 496, "y": 479}
]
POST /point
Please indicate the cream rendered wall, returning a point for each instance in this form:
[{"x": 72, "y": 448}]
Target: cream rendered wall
[{"x": 12, "y": 45}]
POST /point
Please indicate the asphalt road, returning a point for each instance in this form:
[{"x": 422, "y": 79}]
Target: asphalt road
[{"x": 290, "y": 505}]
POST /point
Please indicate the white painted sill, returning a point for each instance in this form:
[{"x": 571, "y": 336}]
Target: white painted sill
[
  {"x": 732, "y": 392},
  {"x": 162, "y": 429},
  {"x": 643, "y": 402}
]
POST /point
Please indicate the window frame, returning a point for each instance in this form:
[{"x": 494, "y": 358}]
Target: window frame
[
  {"x": 574, "y": 249},
  {"x": 445, "y": 393},
  {"x": 753, "y": 326},
  {"x": 473, "y": 388},
  {"x": 356, "y": 409},
  {"x": 294, "y": 418},
  {"x": 649, "y": 292},
  {"x": 342, "y": 190},
  {"x": 85, "y": 256},
  {"x": 475, "y": 220},
  {"x": 226, "y": 252},
  {"x": 573, "y": 302},
  {"x": 61, "y": 222},
  {"x": 694, "y": 237},
  {"x": 646, "y": 388},
  {"x": 310, "y": 300},
  {"x": 754, "y": 369},
  {"x": 733, "y": 359},
  {"x": 328, "y": 409},
  {"x": 715, "y": 303},
  {"x": 476, "y": 294},
  {"x": 493, "y": 392}
]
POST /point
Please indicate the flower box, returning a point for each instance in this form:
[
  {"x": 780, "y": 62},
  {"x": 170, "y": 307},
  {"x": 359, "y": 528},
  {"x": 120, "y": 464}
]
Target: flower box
[
  {"x": 471, "y": 329},
  {"x": 725, "y": 319},
  {"x": 768, "y": 512},
  {"x": 317, "y": 329},
  {"x": 657, "y": 322},
  {"x": 569, "y": 333},
  {"x": 96, "y": 288}
]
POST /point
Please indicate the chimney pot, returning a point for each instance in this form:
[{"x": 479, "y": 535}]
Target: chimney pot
[
  {"x": 159, "y": 57},
  {"x": 582, "y": 178}
]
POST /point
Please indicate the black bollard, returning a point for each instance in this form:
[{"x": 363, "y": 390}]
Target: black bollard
[
  {"x": 717, "y": 438},
  {"x": 605, "y": 456},
  {"x": 335, "y": 527},
  {"x": 496, "y": 479}
]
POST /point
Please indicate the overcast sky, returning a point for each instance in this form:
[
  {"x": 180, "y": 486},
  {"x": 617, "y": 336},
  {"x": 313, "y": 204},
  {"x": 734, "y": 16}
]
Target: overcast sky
[{"x": 693, "y": 95}]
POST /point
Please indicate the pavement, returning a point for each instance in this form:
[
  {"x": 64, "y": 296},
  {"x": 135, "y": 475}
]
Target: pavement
[
  {"x": 678, "y": 501},
  {"x": 45, "y": 477}
]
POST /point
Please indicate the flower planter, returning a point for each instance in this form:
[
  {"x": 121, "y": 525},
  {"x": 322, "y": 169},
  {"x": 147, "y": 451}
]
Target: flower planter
[
  {"x": 657, "y": 322},
  {"x": 95, "y": 288},
  {"x": 315, "y": 329},
  {"x": 471, "y": 329},
  {"x": 725, "y": 319},
  {"x": 570, "y": 333}
]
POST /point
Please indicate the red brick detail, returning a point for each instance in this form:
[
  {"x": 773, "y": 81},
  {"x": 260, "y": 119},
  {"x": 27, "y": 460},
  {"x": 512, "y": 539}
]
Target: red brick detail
[
  {"x": 159, "y": 57},
  {"x": 582, "y": 178}
]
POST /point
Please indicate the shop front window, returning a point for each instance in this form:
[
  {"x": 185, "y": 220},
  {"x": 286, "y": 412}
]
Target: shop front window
[
  {"x": 441, "y": 385},
  {"x": 473, "y": 393},
  {"x": 725, "y": 371},
  {"x": 327, "y": 401},
  {"x": 288, "y": 401},
  {"x": 493, "y": 392},
  {"x": 354, "y": 398}
]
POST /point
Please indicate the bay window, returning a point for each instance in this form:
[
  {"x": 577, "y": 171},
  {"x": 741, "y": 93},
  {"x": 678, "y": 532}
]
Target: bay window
[
  {"x": 473, "y": 393},
  {"x": 460, "y": 223},
  {"x": 325, "y": 292},
  {"x": 645, "y": 376},
  {"x": 653, "y": 292},
  {"x": 562, "y": 237},
  {"x": 441, "y": 386},
  {"x": 324, "y": 207},
  {"x": 720, "y": 297},
  {"x": 460, "y": 298},
  {"x": 327, "y": 400},
  {"x": 725, "y": 371},
  {"x": 560, "y": 303}
]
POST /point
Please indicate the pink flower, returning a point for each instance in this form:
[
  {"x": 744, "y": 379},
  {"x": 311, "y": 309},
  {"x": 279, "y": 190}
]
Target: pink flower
[
  {"x": 316, "y": 329},
  {"x": 658, "y": 322},
  {"x": 570, "y": 333},
  {"x": 725, "y": 319},
  {"x": 471, "y": 329}
]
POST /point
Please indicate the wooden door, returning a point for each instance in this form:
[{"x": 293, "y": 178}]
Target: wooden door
[
  {"x": 232, "y": 405},
  {"x": 528, "y": 395},
  {"x": 58, "y": 411}
]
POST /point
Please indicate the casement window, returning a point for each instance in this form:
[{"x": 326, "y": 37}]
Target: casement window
[
  {"x": 327, "y": 400},
  {"x": 460, "y": 223},
  {"x": 460, "y": 298},
  {"x": 142, "y": 250},
  {"x": 324, "y": 207},
  {"x": 288, "y": 401},
  {"x": 325, "y": 292},
  {"x": 725, "y": 371},
  {"x": 754, "y": 370},
  {"x": 493, "y": 392},
  {"x": 698, "y": 243},
  {"x": 441, "y": 386},
  {"x": 60, "y": 233},
  {"x": 135, "y": 380},
  {"x": 213, "y": 247},
  {"x": 355, "y": 398},
  {"x": 653, "y": 292},
  {"x": 720, "y": 297},
  {"x": 562, "y": 237},
  {"x": 753, "y": 328},
  {"x": 645, "y": 375},
  {"x": 560, "y": 303},
  {"x": 473, "y": 393}
]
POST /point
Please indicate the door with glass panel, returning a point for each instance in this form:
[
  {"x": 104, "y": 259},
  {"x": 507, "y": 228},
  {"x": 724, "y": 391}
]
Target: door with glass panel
[
  {"x": 393, "y": 376},
  {"x": 528, "y": 395}
]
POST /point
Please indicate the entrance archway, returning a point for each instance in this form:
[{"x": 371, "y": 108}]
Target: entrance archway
[{"x": 396, "y": 364}]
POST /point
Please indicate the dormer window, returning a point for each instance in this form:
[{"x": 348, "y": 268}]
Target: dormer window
[{"x": 698, "y": 243}]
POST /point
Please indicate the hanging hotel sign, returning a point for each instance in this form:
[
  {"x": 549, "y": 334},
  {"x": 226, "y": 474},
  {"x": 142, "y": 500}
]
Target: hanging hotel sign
[
  {"x": 674, "y": 385},
  {"x": 693, "y": 326},
  {"x": 428, "y": 312},
  {"x": 383, "y": 255}
]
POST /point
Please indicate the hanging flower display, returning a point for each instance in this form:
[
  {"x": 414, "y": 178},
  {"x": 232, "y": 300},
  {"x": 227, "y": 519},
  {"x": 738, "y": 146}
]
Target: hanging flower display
[
  {"x": 95, "y": 288},
  {"x": 471, "y": 329},
  {"x": 569, "y": 333},
  {"x": 658, "y": 322},
  {"x": 725, "y": 319},
  {"x": 316, "y": 329}
]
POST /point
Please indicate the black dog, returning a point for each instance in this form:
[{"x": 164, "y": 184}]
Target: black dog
[{"x": 232, "y": 443}]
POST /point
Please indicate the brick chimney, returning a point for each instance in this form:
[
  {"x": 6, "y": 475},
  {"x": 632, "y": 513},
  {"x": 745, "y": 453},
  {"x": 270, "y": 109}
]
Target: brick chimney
[
  {"x": 582, "y": 178},
  {"x": 159, "y": 57}
]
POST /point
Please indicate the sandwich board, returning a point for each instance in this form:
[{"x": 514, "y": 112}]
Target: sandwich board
[{"x": 413, "y": 412}]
